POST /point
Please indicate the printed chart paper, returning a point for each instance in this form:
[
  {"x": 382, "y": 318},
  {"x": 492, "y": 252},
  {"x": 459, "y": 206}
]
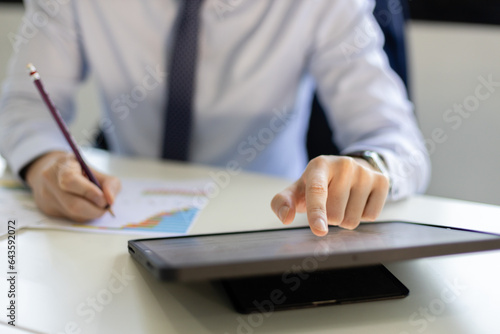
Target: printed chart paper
[{"x": 142, "y": 207}]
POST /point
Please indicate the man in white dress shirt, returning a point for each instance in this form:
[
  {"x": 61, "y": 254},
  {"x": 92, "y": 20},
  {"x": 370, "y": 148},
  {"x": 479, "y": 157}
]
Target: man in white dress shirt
[{"x": 258, "y": 64}]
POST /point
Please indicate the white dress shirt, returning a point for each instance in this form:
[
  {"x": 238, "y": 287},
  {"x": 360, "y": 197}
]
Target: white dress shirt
[{"x": 259, "y": 62}]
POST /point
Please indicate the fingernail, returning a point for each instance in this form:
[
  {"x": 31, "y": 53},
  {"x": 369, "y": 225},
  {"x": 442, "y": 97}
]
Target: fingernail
[
  {"x": 283, "y": 212},
  {"x": 320, "y": 225}
]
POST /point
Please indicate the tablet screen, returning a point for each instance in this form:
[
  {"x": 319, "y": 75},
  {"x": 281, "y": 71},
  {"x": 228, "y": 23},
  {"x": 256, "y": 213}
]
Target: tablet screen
[{"x": 264, "y": 252}]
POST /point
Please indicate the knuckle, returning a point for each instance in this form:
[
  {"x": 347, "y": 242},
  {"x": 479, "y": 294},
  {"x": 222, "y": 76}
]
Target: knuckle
[
  {"x": 363, "y": 173},
  {"x": 67, "y": 164},
  {"x": 317, "y": 211},
  {"x": 366, "y": 178},
  {"x": 345, "y": 168},
  {"x": 346, "y": 163},
  {"x": 66, "y": 180},
  {"x": 64, "y": 162},
  {"x": 383, "y": 180},
  {"x": 61, "y": 160},
  {"x": 317, "y": 188},
  {"x": 319, "y": 162}
]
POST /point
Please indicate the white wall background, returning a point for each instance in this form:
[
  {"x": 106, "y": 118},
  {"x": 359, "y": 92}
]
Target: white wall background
[{"x": 446, "y": 62}]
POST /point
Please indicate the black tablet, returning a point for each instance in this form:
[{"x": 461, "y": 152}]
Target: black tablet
[{"x": 289, "y": 250}]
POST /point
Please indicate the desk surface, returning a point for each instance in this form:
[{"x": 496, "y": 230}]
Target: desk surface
[{"x": 72, "y": 282}]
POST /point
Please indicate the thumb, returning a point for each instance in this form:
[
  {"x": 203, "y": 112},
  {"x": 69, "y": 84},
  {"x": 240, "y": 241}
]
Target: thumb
[{"x": 284, "y": 204}]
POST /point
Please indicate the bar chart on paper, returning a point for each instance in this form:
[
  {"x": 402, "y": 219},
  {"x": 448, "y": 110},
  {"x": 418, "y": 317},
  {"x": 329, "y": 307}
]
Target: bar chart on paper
[{"x": 176, "y": 221}]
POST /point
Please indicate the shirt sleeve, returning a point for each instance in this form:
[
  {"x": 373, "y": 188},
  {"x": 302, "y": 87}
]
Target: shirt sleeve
[
  {"x": 48, "y": 38},
  {"x": 365, "y": 101}
]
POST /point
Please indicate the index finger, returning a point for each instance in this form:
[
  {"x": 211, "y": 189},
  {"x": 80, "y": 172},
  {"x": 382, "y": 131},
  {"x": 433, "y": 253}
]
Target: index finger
[
  {"x": 111, "y": 186},
  {"x": 316, "y": 194},
  {"x": 71, "y": 180}
]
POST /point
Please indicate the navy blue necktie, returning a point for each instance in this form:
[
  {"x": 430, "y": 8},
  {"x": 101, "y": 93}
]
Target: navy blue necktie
[{"x": 181, "y": 82}]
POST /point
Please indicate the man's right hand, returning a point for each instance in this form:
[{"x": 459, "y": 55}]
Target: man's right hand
[{"x": 61, "y": 190}]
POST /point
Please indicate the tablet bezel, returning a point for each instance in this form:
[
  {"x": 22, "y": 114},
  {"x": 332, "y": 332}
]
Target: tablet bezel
[{"x": 166, "y": 272}]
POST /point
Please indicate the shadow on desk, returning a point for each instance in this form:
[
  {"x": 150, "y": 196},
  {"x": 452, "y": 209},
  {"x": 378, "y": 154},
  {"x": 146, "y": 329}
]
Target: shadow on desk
[{"x": 204, "y": 308}]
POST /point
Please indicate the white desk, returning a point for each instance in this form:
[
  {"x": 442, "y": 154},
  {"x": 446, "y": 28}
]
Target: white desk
[{"x": 62, "y": 274}]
